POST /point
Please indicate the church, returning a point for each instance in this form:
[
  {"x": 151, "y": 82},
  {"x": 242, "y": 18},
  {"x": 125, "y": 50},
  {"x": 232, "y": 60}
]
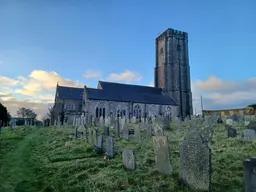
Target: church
[{"x": 171, "y": 95}]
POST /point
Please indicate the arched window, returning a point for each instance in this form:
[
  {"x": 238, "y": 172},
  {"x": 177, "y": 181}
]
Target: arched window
[
  {"x": 137, "y": 112},
  {"x": 121, "y": 113},
  {"x": 100, "y": 111},
  {"x": 103, "y": 112},
  {"x": 97, "y": 112}
]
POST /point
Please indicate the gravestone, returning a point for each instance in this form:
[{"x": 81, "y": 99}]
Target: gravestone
[
  {"x": 94, "y": 137},
  {"x": 101, "y": 121},
  {"x": 219, "y": 120},
  {"x": 90, "y": 135},
  {"x": 229, "y": 122},
  {"x": 106, "y": 131},
  {"x": 126, "y": 132},
  {"x": 235, "y": 117},
  {"x": 249, "y": 134},
  {"x": 100, "y": 141},
  {"x": 250, "y": 174},
  {"x": 137, "y": 134},
  {"x": 76, "y": 132},
  {"x": 162, "y": 155},
  {"x": 117, "y": 128},
  {"x": 246, "y": 123},
  {"x": 252, "y": 125},
  {"x": 232, "y": 132},
  {"x": 110, "y": 147},
  {"x": 195, "y": 162},
  {"x": 149, "y": 130},
  {"x": 128, "y": 159}
]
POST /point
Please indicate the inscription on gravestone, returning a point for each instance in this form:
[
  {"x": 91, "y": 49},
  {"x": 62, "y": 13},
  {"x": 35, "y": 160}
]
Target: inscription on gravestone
[
  {"x": 194, "y": 162},
  {"x": 162, "y": 155}
]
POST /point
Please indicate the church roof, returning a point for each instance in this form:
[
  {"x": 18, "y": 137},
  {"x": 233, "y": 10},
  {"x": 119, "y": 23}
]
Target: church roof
[
  {"x": 126, "y": 93},
  {"x": 70, "y": 93}
]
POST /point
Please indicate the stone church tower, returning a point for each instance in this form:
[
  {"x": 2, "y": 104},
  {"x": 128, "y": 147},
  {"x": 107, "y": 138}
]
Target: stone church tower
[{"x": 172, "y": 70}]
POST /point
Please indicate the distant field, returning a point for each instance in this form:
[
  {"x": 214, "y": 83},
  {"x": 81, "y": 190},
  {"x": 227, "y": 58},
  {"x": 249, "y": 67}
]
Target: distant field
[{"x": 51, "y": 159}]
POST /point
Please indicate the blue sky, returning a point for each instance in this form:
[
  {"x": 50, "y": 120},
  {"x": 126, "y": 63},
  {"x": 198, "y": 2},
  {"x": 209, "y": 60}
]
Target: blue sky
[{"x": 72, "y": 37}]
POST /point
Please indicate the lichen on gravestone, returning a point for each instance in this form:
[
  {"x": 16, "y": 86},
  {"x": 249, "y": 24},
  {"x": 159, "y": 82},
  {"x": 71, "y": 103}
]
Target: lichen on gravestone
[
  {"x": 162, "y": 155},
  {"x": 195, "y": 161}
]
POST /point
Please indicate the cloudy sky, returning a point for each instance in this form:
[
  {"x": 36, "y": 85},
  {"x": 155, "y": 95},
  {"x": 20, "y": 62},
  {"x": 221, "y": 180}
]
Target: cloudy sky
[{"x": 77, "y": 43}]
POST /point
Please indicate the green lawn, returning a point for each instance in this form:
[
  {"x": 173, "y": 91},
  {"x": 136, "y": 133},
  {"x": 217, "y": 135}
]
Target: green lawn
[{"x": 50, "y": 159}]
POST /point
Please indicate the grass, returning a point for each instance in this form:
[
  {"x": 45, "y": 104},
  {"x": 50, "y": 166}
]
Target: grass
[{"x": 50, "y": 159}]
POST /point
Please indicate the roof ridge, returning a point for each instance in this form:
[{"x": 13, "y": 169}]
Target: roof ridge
[{"x": 128, "y": 84}]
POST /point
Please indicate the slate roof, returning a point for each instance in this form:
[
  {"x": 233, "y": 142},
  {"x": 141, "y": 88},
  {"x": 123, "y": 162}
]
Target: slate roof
[
  {"x": 71, "y": 93},
  {"x": 125, "y": 92},
  {"x": 117, "y": 92}
]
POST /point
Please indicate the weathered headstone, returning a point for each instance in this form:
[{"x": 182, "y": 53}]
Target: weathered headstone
[
  {"x": 250, "y": 174},
  {"x": 162, "y": 155},
  {"x": 125, "y": 132},
  {"x": 90, "y": 135},
  {"x": 219, "y": 120},
  {"x": 195, "y": 162},
  {"x": 149, "y": 130},
  {"x": 76, "y": 132},
  {"x": 110, "y": 147},
  {"x": 117, "y": 128},
  {"x": 106, "y": 131},
  {"x": 249, "y": 134},
  {"x": 252, "y": 125},
  {"x": 94, "y": 137},
  {"x": 128, "y": 159},
  {"x": 232, "y": 132},
  {"x": 229, "y": 122},
  {"x": 137, "y": 134},
  {"x": 100, "y": 141}
]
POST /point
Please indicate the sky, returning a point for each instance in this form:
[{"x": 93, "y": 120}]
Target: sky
[{"x": 78, "y": 42}]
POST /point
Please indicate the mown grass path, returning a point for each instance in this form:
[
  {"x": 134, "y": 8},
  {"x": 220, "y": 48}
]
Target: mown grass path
[{"x": 18, "y": 168}]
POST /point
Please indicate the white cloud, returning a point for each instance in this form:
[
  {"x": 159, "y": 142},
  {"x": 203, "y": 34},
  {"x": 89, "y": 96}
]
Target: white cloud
[
  {"x": 90, "y": 74},
  {"x": 35, "y": 91},
  {"x": 8, "y": 81},
  {"x": 127, "y": 77},
  {"x": 223, "y": 94}
]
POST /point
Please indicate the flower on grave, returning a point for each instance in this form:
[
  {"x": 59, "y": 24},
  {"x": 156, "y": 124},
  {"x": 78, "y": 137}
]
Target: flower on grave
[{"x": 106, "y": 156}]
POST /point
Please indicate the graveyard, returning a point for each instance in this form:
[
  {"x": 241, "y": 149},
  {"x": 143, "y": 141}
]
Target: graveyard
[{"x": 162, "y": 156}]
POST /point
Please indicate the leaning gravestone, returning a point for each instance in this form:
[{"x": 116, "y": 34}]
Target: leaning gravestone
[
  {"x": 195, "y": 162},
  {"x": 162, "y": 155},
  {"x": 232, "y": 132},
  {"x": 249, "y": 134},
  {"x": 110, "y": 147},
  {"x": 250, "y": 174},
  {"x": 128, "y": 159}
]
